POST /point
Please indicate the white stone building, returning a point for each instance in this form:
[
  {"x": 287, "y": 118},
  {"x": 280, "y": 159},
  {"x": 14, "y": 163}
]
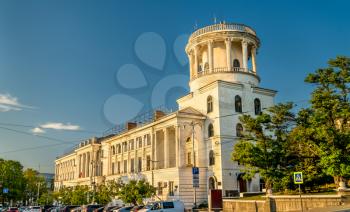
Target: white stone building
[{"x": 223, "y": 85}]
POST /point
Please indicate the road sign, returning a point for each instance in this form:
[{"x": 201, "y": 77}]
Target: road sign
[
  {"x": 5, "y": 190},
  {"x": 298, "y": 178},
  {"x": 195, "y": 177}
]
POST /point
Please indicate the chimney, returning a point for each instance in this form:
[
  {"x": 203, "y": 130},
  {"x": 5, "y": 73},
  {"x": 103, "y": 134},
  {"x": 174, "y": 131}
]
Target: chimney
[
  {"x": 131, "y": 125},
  {"x": 158, "y": 114}
]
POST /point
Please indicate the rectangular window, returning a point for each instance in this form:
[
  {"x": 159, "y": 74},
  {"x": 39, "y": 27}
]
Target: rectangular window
[
  {"x": 112, "y": 168},
  {"x": 147, "y": 139},
  {"x": 160, "y": 188},
  {"x": 148, "y": 166},
  {"x": 132, "y": 165},
  {"x": 125, "y": 166},
  {"x": 131, "y": 143},
  {"x": 118, "y": 167},
  {"x": 139, "y": 167},
  {"x": 189, "y": 158},
  {"x": 125, "y": 146},
  {"x": 139, "y": 142},
  {"x": 171, "y": 188}
]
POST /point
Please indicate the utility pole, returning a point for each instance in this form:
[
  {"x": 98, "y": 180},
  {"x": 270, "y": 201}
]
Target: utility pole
[
  {"x": 154, "y": 161},
  {"x": 37, "y": 197}
]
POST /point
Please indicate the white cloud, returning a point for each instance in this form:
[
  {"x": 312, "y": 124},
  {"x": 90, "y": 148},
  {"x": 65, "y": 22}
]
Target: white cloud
[
  {"x": 8, "y": 103},
  {"x": 38, "y": 130},
  {"x": 60, "y": 126}
]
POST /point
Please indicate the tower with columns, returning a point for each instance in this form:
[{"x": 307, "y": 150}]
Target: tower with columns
[{"x": 224, "y": 84}]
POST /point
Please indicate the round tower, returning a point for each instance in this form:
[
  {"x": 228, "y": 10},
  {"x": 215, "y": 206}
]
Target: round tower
[{"x": 224, "y": 51}]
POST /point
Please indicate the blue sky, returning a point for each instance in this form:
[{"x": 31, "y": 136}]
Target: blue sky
[{"x": 64, "y": 63}]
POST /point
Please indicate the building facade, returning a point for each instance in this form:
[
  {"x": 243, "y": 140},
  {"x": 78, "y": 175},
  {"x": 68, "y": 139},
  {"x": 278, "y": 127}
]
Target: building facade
[{"x": 224, "y": 84}]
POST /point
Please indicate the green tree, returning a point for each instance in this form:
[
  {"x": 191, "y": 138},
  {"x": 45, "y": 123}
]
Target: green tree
[
  {"x": 264, "y": 147},
  {"x": 46, "y": 199},
  {"x": 80, "y": 195},
  {"x": 307, "y": 151},
  {"x": 328, "y": 117},
  {"x": 135, "y": 191},
  {"x": 64, "y": 195},
  {"x": 33, "y": 180},
  {"x": 11, "y": 177},
  {"x": 106, "y": 192}
]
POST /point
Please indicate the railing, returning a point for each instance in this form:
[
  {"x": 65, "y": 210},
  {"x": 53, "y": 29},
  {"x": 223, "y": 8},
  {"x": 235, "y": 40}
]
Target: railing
[
  {"x": 140, "y": 120},
  {"x": 224, "y": 27},
  {"x": 207, "y": 71}
]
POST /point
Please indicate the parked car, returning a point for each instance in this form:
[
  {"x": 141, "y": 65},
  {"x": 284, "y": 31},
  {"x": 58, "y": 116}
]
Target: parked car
[
  {"x": 111, "y": 208},
  {"x": 90, "y": 208},
  {"x": 137, "y": 208},
  {"x": 45, "y": 208},
  {"x": 164, "y": 206},
  {"x": 34, "y": 209},
  {"x": 124, "y": 209},
  {"x": 77, "y": 209},
  {"x": 12, "y": 209},
  {"x": 99, "y": 209},
  {"x": 68, "y": 208}
]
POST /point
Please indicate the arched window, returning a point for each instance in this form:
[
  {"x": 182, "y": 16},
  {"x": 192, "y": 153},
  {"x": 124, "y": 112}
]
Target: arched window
[
  {"x": 210, "y": 130},
  {"x": 212, "y": 183},
  {"x": 119, "y": 149},
  {"x": 211, "y": 158},
  {"x": 236, "y": 63},
  {"x": 238, "y": 104},
  {"x": 239, "y": 130},
  {"x": 113, "y": 150},
  {"x": 199, "y": 68},
  {"x": 257, "y": 106},
  {"x": 209, "y": 104},
  {"x": 206, "y": 66}
]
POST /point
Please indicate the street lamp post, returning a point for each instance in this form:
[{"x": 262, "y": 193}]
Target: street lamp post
[{"x": 193, "y": 124}]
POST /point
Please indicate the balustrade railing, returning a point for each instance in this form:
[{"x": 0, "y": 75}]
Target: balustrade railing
[
  {"x": 208, "y": 71},
  {"x": 223, "y": 26}
]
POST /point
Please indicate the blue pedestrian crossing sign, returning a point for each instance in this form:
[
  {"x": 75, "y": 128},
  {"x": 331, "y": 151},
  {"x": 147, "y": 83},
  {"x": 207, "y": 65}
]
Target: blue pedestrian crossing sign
[
  {"x": 195, "y": 177},
  {"x": 298, "y": 177},
  {"x": 5, "y": 190},
  {"x": 195, "y": 170}
]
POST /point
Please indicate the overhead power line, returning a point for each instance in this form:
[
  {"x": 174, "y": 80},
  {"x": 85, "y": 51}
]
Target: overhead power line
[{"x": 32, "y": 126}]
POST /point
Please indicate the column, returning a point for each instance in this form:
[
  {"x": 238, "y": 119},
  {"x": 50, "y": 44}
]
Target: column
[
  {"x": 210, "y": 55},
  {"x": 228, "y": 43},
  {"x": 166, "y": 148},
  {"x": 177, "y": 143},
  {"x": 254, "y": 59},
  {"x": 245, "y": 54},
  {"x": 84, "y": 165},
  {"x": 190, "y": 61},
  {"x": 154, "y": 163},
  {"x": 195, "y": 61},
  {"x": 181, "y": 146}
]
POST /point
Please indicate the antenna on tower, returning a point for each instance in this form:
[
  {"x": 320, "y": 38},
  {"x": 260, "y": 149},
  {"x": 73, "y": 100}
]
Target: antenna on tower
[{"x": 195, "y": 25}]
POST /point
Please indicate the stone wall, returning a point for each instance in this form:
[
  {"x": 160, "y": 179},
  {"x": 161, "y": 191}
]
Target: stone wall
[
  {"x": 293, "y": 203},
  {"x": 283, "y": 203},
  {"x": 235, "y": 205}
]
